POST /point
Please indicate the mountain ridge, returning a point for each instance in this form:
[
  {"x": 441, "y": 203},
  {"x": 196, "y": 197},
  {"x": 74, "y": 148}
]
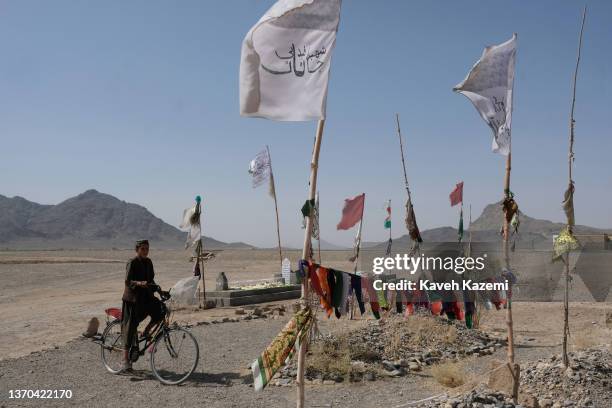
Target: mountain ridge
[
  {"x": 88, "y": 220},
  {"x": 532, "y": 232}
]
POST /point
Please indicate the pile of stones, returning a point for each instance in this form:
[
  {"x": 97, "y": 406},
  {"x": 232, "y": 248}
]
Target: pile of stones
[
  {"x": 392, "y": 347},
  {"x": 587, "y": 382},
  {"x": 478, "y": 398},
  {"x": 251, "y": 313}
]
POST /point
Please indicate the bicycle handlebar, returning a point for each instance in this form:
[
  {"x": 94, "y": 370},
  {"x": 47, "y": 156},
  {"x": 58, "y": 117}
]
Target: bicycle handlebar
[{"x": 165, "y": 295}]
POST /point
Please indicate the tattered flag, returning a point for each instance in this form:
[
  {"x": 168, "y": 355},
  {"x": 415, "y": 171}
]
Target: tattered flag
[{"x": 488, "y": 86}]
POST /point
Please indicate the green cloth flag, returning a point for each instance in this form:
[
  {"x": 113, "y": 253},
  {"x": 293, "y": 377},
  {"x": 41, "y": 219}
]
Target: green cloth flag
[{"x": 388, "y": 219}]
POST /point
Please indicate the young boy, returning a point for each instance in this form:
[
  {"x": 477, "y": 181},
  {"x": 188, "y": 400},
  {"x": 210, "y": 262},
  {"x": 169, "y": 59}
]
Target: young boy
[{"x": 138, "y": 299}]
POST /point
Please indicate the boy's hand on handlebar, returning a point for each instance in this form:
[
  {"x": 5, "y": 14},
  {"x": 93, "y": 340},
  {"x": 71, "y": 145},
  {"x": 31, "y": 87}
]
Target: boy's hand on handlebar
[{"x": 154, "y": 287}]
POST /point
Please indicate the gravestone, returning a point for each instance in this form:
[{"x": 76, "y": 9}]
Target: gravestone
[
  {"x": 222, "y": 283},
  {"x": 286, "y": 271}
]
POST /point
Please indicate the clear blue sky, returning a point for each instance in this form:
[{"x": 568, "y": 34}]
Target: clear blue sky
[{"x": 139, "y": 99}]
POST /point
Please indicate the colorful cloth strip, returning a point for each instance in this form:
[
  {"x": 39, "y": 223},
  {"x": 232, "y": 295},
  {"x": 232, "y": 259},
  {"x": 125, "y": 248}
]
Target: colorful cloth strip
[{"x": 282, "y": 348}]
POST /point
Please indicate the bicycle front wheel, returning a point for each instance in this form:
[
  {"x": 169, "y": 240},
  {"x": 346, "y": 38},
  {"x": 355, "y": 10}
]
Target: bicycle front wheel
[{"x": 174, "y": 356}]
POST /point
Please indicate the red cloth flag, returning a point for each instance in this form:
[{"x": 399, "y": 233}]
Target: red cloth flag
[
  {"x": 456, "y": 196},
  {"x": 352, "y": 212}
]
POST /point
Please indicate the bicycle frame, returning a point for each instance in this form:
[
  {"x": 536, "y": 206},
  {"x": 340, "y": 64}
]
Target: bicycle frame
[{"x": 157, "y": 331}]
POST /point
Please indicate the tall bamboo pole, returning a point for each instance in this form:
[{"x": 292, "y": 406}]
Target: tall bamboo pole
[
  {"x": 509, "y": 323},
  {"x": 570, "y": 160},
  {"x": 314, "y": 164},
  {"x": 399, "y": 135},
  {"x": 514, "y": 368},
  {"x": 199, "y": 249},
  {"x": 319, "y": 226},
  {"x": 506, "y": 230},
  {"x": 280, "y": 250},
  {"x": 203, "y": 297}
]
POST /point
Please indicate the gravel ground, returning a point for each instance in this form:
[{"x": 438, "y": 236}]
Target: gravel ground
[{"x": 221, "y": 380}]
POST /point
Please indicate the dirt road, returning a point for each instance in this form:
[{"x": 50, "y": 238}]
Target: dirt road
[{"x": 222, "y": 378}]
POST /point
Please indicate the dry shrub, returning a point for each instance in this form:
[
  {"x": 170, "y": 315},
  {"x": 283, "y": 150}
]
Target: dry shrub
[
  {"x": 361, "y": 352},
  {"x": 449, "y": 374},
  {"x": 329, "y": 357},
  {"x": 395, "y": 343},
  {"x": 426, "y": 329}
]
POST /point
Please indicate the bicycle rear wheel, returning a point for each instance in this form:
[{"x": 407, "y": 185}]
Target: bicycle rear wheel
[
  {"x": 112, "y": 348},
  {"x": 174, "y": 356}
]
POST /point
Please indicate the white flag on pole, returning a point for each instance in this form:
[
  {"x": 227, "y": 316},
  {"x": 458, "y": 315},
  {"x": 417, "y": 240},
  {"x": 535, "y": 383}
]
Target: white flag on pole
[
  {"x": 191, "y": 221},
  {"x": 489, "y": 86},
  {"x": 260, "y": 168},
  {"x": 284, "y": 66}
]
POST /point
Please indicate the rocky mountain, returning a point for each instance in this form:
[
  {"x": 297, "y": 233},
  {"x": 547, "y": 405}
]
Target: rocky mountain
[
  {"x": 533, "y": 232},
  {"x": 89, "y": 220},
  {"x": 491, "y": 217}
]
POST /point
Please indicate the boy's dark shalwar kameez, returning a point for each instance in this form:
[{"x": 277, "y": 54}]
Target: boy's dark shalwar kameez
[{"x": 138, "y": 302}]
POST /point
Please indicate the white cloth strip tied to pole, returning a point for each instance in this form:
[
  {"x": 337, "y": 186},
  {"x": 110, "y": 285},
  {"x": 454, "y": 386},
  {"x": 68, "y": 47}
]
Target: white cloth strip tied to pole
[
  {"x": 285, "y": 61},
  {"x": 191, "y": 221},
  {"x": 489, "y": 86}
]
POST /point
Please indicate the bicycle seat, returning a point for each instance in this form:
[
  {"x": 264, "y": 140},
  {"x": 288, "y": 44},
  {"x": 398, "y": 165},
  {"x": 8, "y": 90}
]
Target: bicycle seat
[{"x": 114, "y": 312}]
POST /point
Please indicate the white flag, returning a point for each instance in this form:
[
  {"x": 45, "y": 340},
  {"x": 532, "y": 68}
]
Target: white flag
[
  {"x": 191, "y": 222},
  {"x": 284, "y": 66},
  {"x": 261, "y": 170},
  {"x": 489, "y": 86}
]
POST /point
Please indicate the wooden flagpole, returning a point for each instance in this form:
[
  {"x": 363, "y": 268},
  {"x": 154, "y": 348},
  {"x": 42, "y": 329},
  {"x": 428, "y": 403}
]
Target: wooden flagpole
[
  {"x": 509, "y": 323},
  {"x": 570, "y": 160},
  {"x": 280, "y": 250},
  {"x": 506, "y": 230},
  {"x": 390, "y": 222},
  {"x": 319, "y": 226},
  {"x": 200, "y": 247},
  {"x": 203, "y": 297},
  {"x": 399, "y": 135},
  {"x": 514, "y": 368},
  {"x": 314, "y": 164}
]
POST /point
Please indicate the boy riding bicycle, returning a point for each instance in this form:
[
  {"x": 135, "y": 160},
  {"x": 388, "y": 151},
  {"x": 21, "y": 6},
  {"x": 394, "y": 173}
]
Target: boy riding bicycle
[{"x": 139, "y": 300}]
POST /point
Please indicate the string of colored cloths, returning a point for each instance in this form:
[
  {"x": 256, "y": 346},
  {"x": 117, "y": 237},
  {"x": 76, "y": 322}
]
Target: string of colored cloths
[
  {"x": 282, "y": 348},
  {"x": 335, "y": 287},
  {"x": 499, "y": 298}
]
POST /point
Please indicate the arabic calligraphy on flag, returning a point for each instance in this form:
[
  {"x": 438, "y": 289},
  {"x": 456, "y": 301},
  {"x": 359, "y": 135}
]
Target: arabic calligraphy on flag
[
  {"x": 488, "y": 86},
  {"x": 285, "y": 61},
  {"x": 260, "y": 168}
]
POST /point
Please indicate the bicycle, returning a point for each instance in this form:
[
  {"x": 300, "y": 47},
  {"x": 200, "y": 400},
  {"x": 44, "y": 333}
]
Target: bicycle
[{"x": 169, "y": 345}]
